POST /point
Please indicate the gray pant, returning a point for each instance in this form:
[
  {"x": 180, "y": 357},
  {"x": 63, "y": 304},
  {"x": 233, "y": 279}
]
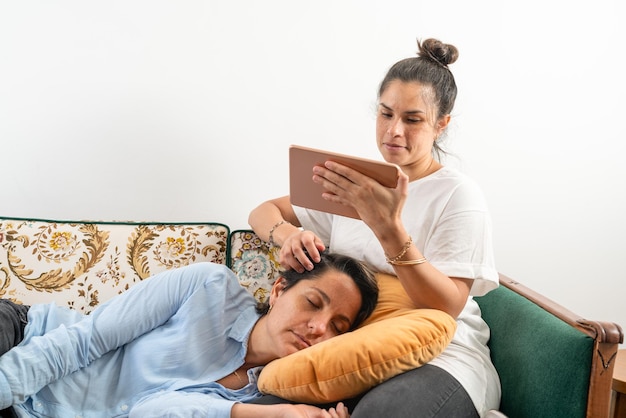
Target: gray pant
[
  {"x": 13, "y": 319},
  {"x": 426, "y": 392}
]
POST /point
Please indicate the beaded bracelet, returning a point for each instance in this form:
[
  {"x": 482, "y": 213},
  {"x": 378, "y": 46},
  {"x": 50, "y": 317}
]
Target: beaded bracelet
[
  {"x": 276, "y": 225},
  {"x": 403, "y": 251},
  {"x": 408, "y": 262}
]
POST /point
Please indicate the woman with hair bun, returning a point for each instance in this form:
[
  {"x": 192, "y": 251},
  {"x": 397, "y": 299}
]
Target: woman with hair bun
[{"x": 433, "y": 232}]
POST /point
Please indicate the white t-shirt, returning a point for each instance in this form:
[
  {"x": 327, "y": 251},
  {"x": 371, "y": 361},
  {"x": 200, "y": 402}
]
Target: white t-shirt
[{"x": 447, "y": 217}]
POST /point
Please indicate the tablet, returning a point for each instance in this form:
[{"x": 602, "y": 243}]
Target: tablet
[{"x": 306, "y": 193}]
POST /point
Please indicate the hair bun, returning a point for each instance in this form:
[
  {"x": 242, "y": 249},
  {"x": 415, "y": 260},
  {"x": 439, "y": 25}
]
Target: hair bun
[{"x": 438, "y": 52}]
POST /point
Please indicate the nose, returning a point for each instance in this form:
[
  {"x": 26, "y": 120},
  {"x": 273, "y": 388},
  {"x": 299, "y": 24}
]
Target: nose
[
  {"x": 319, "y": 327},
  {"x": 395, "y": 128}
]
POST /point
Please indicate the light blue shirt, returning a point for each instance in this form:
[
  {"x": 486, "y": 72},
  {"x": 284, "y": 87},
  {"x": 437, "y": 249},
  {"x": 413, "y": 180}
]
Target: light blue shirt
[{"x": 155, "y": 350}]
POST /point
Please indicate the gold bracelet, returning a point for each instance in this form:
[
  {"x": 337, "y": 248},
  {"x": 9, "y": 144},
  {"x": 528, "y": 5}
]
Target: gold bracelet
[
  {"x": 405, "y": 248},
  {"x": 408, "y": 262},
  {"x": 270, "y": 241}
]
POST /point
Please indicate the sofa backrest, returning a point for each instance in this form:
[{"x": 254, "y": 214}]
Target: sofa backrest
[
  {"x": 83, "y": 264},
  {"x": 536, "y": 382}
]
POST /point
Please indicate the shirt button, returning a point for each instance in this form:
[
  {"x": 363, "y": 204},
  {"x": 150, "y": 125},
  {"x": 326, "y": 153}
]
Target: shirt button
[
  {"x": 124, "y": 407},
  {"x": 38, "y": 404}
]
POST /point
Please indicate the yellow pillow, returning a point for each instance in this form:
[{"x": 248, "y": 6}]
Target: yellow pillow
[{"x": 395, "y": 339}]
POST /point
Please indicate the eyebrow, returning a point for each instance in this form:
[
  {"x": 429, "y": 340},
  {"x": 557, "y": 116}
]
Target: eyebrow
[
  {"x": 327, "y": 300},
  {"x": 409, "y": 112}
]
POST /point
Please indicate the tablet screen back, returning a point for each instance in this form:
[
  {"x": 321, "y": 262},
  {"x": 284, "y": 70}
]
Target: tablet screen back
[{"x": 304, "y": 192}]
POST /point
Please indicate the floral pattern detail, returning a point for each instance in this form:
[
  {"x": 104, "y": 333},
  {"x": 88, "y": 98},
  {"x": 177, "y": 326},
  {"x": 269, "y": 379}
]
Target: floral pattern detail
[
  {"x": 81, "y": 264},
  {"x": 29, "y": 253},
  {"x": 174, "y": 246},
  {"x": 88, "y": 297},
  {"x": 62, "y": 241},
  {"x": 255, "y": 263},
  {"x": 112, "y": 271}
]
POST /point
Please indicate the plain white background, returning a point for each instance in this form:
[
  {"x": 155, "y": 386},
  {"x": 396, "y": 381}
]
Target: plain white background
[{"x": 183, "y": 110}]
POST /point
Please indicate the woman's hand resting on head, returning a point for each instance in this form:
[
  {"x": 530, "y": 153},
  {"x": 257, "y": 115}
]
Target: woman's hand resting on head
[{"x": 301, "y": 250}]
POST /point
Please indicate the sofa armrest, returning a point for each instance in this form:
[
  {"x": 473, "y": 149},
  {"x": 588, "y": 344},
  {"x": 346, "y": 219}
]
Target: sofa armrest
[{"x": 551, "y": 361}]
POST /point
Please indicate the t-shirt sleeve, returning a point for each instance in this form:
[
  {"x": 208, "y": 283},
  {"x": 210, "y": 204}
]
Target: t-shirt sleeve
[{"x": 461, "y": 243}]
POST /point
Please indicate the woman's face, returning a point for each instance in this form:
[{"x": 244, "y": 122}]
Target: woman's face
[
  {"x": 311, "y": 311},
  {"x": 406, "y": 127}
]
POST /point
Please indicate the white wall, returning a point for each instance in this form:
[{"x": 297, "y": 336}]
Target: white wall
[{"x": 183, "y": 110}]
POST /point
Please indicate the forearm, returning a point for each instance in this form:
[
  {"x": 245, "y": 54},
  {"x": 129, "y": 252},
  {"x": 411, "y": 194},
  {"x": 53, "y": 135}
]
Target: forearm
[
  {"x": 246, "y": 410},
  {"x": 269, "y": 215},
  {"x": 427, "y": 286},
  {"x": 242, "y": 410}
]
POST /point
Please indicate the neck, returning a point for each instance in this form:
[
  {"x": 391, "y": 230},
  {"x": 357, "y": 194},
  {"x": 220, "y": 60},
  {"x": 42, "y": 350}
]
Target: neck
[
  {"x": 422, "y": 170},
  {"x": 258, "y": 352}
]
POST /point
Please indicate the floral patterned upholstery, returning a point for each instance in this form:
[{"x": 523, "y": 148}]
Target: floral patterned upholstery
[
  {"x": 83, "y": 264},
  {"x": 254, "y": 262}
]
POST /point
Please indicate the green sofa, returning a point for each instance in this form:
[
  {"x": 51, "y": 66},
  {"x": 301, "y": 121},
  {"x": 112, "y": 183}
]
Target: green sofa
[{"x": 551, "y": 362}]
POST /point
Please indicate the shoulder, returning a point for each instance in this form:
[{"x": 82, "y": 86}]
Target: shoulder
[
  {"x": 214, "y": 276},
  {"x": 208, "y": 286},
  {"x": 450, "y": 177},
  {"x": 180, "y": 283},
  {"x": 452, "y": 187}
]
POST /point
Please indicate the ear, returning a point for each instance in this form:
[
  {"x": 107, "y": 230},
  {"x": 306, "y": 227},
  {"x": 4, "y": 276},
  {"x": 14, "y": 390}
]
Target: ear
[
  {"x": 442, "y": 124},
  {"x": 277, "y": 288}
]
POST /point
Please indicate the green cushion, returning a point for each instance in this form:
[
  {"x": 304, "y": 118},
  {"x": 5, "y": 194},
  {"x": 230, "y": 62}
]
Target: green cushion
[{"x": 544, "y": 363}]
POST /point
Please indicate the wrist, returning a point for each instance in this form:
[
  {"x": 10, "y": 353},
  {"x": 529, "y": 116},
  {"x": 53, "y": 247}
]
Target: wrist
[
  {"x": 392, "y": 237},
  {"x": 271, "y": 240},
  {"x": 391, "y": 258}
]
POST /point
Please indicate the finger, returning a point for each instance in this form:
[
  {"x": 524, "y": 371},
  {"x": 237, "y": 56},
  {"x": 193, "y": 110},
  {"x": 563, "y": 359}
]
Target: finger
[
  {"x": 319, "y": 244},
  {"x": 327, "y": 185},
  {"x": 330, "y": 179},
  {"x": 295, "y": 257},
  {"x": 312, "y": 253},
  {"x": 339, "y": 411},
  {"x": 288, "y": 261},
  {"x": 302, "y": 257},
  {"x": 342, "y": 410},
  {"x": 342, "y": 171},
  {"x": 313, "y": 245}
]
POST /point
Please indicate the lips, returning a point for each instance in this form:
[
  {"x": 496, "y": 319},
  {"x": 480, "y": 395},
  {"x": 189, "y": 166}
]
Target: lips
[
  {"x": 393, "y": 147},
  {"x": 301, "y": 342}
]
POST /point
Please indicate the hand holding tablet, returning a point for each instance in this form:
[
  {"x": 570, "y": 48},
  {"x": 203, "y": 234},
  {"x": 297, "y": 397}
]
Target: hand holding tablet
[{"x": 306, "y": 193}]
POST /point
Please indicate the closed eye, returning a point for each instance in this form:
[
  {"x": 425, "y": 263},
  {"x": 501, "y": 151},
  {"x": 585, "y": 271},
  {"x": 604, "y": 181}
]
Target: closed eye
[
  {"x": 313, "y": 304},
  {"x": 337, "y": 329}
]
